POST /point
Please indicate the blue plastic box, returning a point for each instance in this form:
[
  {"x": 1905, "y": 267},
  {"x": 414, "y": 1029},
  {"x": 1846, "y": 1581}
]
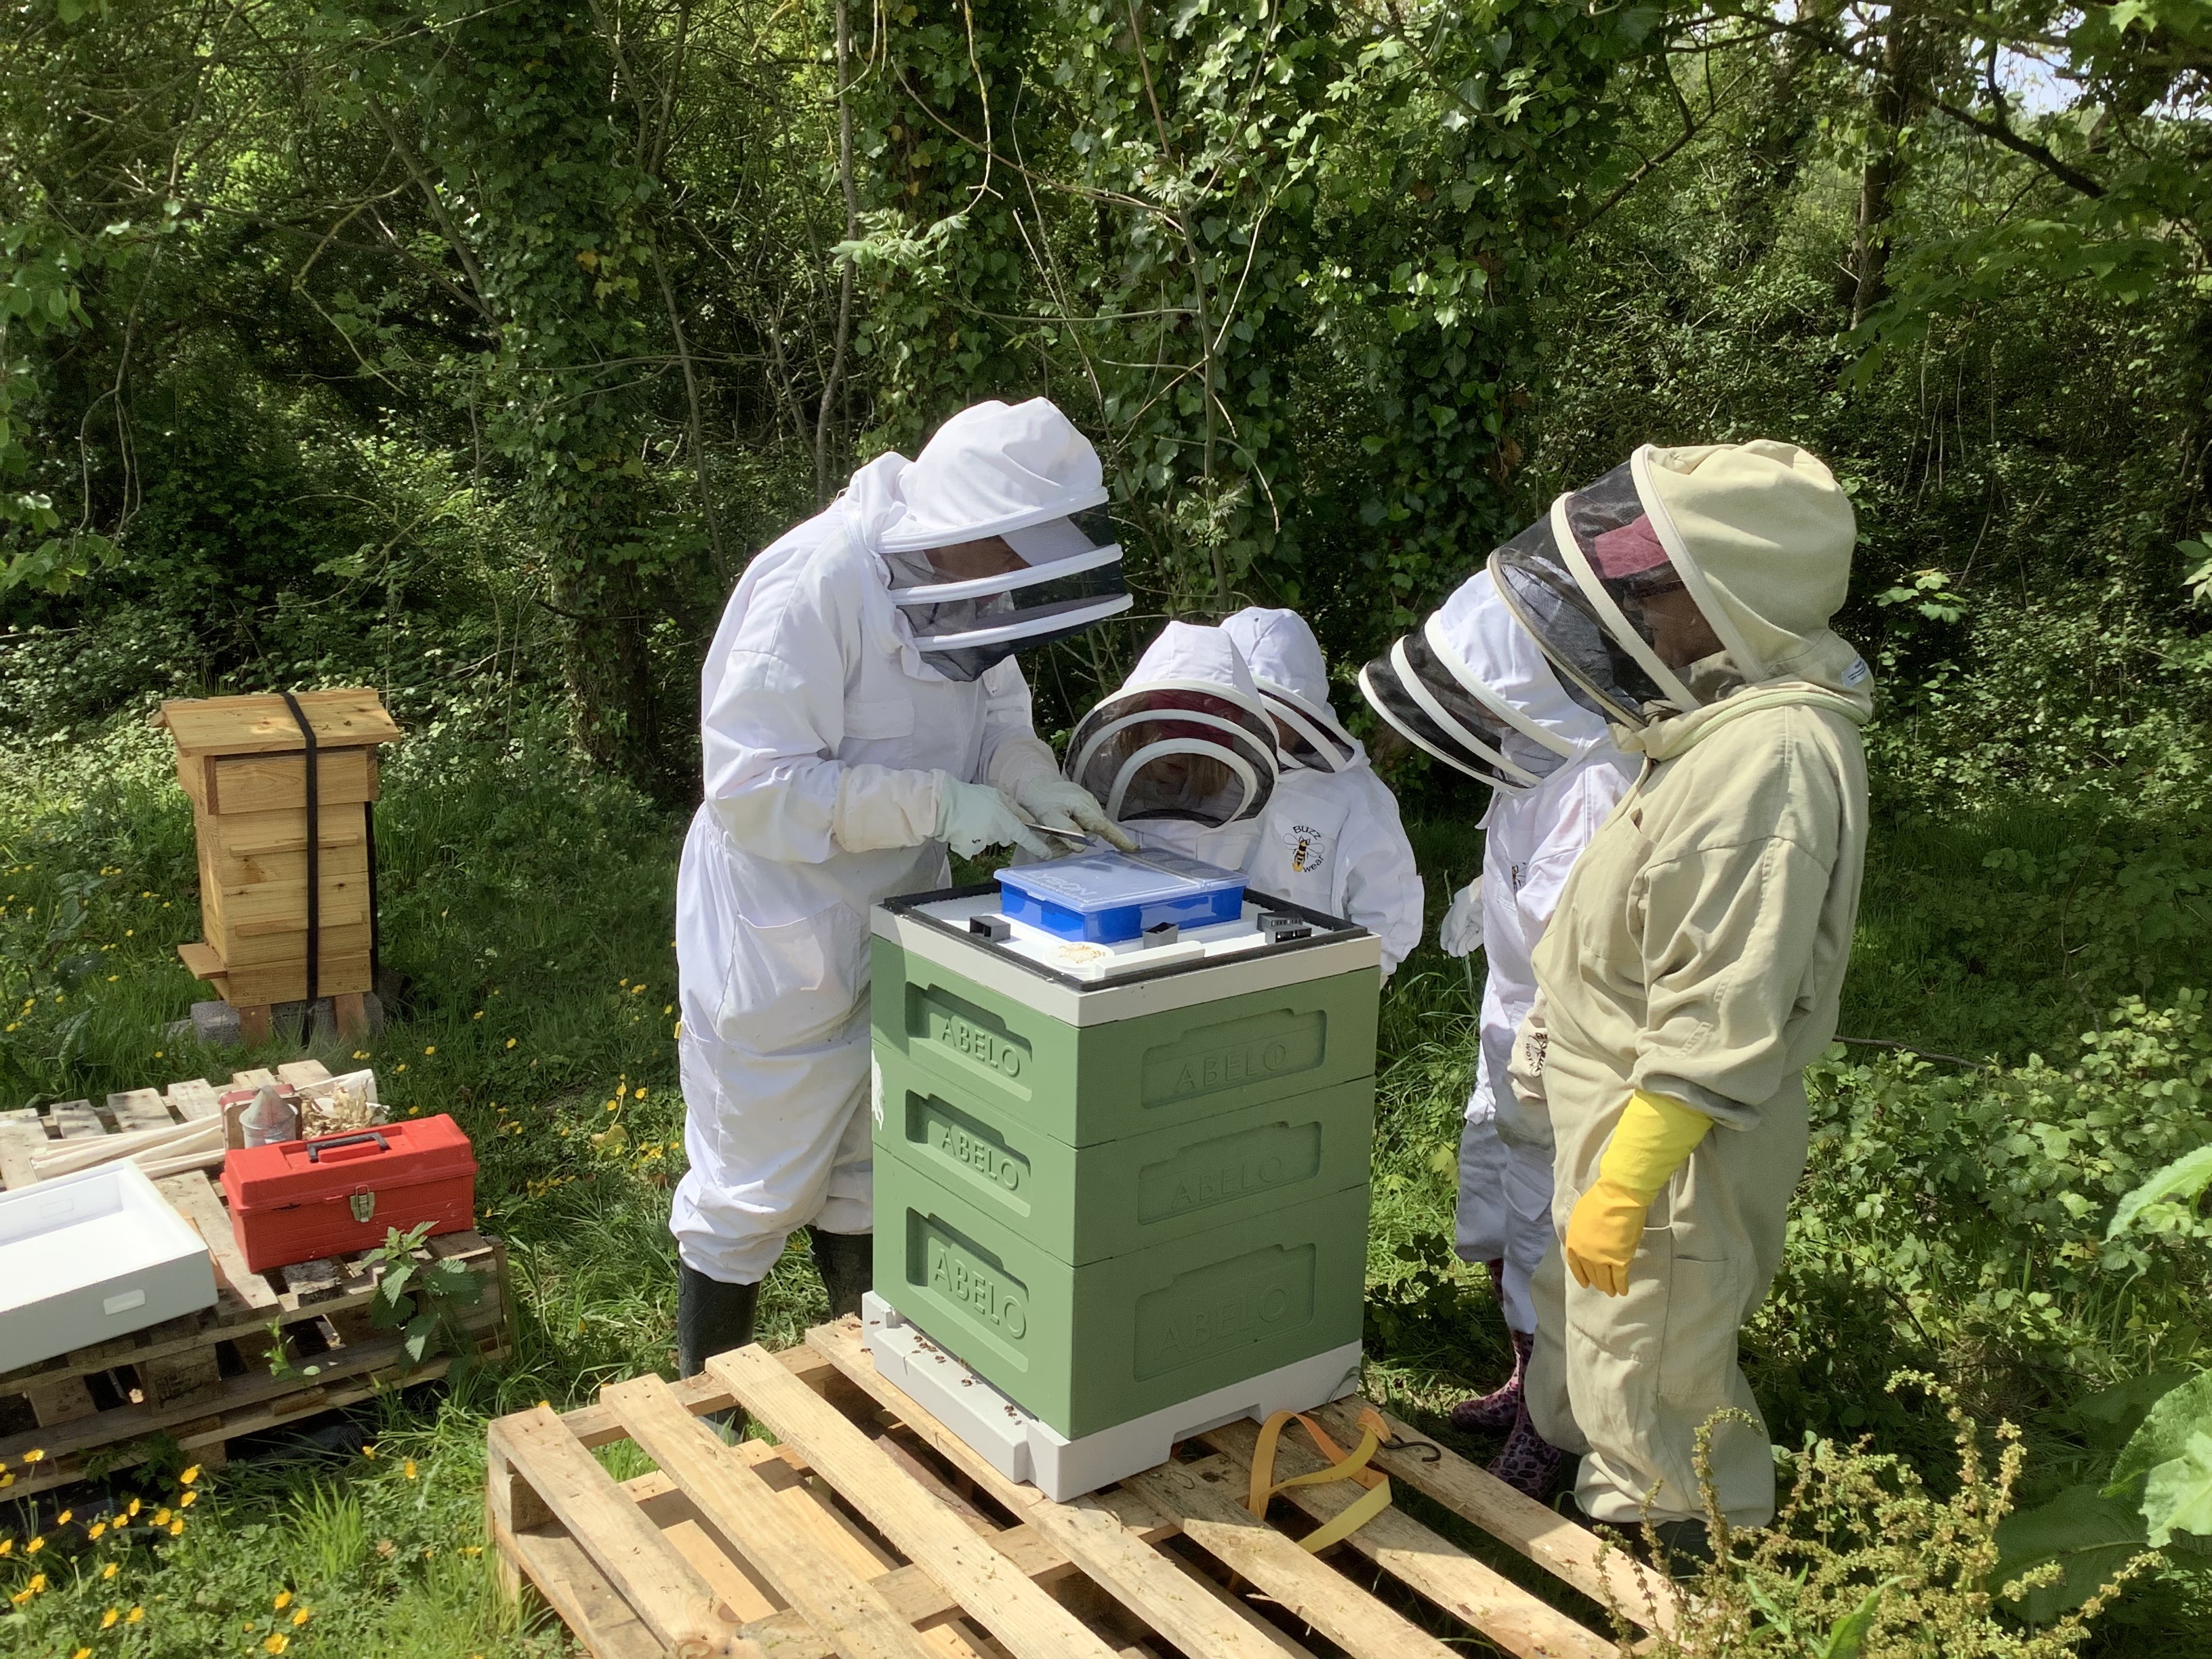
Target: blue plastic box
[{"x": 1107, "y": 898}]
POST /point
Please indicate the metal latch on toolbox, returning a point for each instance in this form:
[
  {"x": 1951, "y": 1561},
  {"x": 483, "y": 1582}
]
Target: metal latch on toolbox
[{"x": 363, "y": 1206}]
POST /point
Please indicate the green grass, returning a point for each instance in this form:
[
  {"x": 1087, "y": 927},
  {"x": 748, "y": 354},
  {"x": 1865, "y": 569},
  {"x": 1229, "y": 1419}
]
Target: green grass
[{"x": 530, "y": 908}]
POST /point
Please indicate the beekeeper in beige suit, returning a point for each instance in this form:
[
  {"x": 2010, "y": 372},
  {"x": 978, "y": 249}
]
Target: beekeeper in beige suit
[{"x": 1697, "y": 958}]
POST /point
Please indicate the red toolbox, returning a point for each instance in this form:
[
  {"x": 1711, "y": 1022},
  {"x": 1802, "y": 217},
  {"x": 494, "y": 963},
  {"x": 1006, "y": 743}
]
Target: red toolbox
[{"x": 303, "y": 1198}]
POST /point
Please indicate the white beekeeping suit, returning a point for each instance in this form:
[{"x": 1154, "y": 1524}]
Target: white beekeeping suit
[
  {"x": 859, "y": 710},
  {"x": 1331, "y": 838},
  {"x": 1532, "y": 836},
  {"x": 1475, "y": 690},
  {"x": 1194, "y": 756}
]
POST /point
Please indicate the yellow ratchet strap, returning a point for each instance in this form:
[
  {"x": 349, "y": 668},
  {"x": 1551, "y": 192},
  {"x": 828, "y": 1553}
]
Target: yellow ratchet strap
[{"x": 1342, "y": 1466}]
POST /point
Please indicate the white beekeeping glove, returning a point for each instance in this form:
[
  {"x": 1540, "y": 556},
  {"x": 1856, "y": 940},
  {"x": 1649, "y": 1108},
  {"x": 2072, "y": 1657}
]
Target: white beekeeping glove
[
  {"x": 1460, "y": 932},
  {"x": 1055, "y": 802},
  {"x": 971, "y": 816}
]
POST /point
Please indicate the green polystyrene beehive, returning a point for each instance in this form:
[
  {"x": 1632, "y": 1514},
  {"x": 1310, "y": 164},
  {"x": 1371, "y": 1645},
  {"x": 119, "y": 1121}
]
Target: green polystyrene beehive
[
  {"x": 1081, "y": 1204},
  {"x": 1085, "y": 1347},
  {"x": 1108, "y": 1198},
  {"x": 1083, "y": 1084}
]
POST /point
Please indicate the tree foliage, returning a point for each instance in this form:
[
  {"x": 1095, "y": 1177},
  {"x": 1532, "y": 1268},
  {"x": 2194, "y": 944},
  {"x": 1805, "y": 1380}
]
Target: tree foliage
[{"x": 329, "y": 309}]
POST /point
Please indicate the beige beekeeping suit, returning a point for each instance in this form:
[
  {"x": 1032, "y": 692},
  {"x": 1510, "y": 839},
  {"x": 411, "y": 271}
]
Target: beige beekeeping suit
[{"x": 1698, "y": 953}]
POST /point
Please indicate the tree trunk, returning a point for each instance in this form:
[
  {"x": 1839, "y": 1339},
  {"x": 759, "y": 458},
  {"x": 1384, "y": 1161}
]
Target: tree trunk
[
  {"x": 1778, "y": 135},
  {"x": 825, "y": 488},
  {"x": 1902, "y": 89},
  {"x": 608, "y": 670}
]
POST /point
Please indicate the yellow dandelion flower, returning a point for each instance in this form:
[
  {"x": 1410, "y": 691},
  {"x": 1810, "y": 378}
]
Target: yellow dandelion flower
[
  {"x": 63, "y": 1519},
  {"x": 7, "y": 1547},
  {"x": 477, "y": 1015},
  {"x": 276, "y": 1644},
  {"x": 189, "y": 1476},
  {"x": 640, "y": 1095},
  {"x": 473, "y": 1551},
  {"x": 177, "y": 1528},
  {"x": 624, "y": 979},
  {"x": 134, "y": 1616},
  {"x": 283, "y": 1600},
  {"x": 108, "y": 1571},
  {"x": 408, "y": 1471},
  {"x": 401, "y": 1067},
  {"x": 302, "y": 1617},
  {"x": 133, "y": 1511},
  {"x": 112, "y": 978},
  {"x": 95, "y": 1530},
  {"x": 107, "y": 1620},
  {"x": 510, "y": 1043},
  {"x": 38, "y": 1582},
  {"x": 432, "y": 1050},
  {"x": 669, "y": 1009},
  {"x": 34, "y": 1455},
  {"x": 361, "y": 1054},
  {"x": 34, "y": 1546},
  {"x": 81, "y": 1653},
  {"x": 161, "y": 1516},
  {"x": 185, "y": 1502},
  {"x": 157, "y": 1054},
  {"x": 368, "y": 1451}
]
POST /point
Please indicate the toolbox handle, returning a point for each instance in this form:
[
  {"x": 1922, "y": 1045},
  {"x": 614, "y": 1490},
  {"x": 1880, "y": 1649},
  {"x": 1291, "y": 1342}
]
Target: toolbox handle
[{"x": 316, "y": 1148}]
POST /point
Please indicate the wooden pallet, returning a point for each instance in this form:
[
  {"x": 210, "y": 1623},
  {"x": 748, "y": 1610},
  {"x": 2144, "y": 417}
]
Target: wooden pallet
[
  {"x": 205, "y": 1378},
  {"x": 871, "y": 1531}
]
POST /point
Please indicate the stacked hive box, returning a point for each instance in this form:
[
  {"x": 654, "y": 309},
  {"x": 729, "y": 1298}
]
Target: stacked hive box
[
  {"x": 244, "y": 763},
  {"x": 1108, "y": 1201}
]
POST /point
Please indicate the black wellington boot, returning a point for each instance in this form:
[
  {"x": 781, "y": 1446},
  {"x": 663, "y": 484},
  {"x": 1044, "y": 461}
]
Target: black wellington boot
[
  {"x": 711, "y": 1317},
  {"x": 848, "y": 1264}
]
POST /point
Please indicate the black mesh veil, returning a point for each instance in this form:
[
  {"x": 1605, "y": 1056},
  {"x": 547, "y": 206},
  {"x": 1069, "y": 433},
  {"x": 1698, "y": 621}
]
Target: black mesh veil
[
  {"x": 1415, "y": 693},
  {"x": 963, "y": 638},
  {"x": 1174, "y": 752},
  {"x": 1595, "y": 582}
]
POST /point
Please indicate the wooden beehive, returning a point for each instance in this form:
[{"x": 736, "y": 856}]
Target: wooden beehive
[{"x": 244, "y": 761}]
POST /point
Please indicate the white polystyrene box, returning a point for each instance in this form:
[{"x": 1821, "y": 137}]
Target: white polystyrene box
[{"x": 92, "y": 1255}]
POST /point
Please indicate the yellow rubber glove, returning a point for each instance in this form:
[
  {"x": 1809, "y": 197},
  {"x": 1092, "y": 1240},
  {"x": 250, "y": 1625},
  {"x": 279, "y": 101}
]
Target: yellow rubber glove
[{"x": 1654, "y": 1138}]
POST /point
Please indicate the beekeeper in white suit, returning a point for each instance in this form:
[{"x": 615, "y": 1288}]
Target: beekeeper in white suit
[
  {"x": 1184, "y": 751},
  {"x": 860, "y": 713},
  {"x": 1492, "y": 709},
  {"x": 1197, "y": 753},
  {"x": 1331, "y": 839}
]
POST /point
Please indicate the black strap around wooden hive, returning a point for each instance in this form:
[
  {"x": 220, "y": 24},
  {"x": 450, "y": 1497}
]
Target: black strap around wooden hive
[
  {"x": 368, "y": 833},
  {"x": 314, "y": 850}
]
